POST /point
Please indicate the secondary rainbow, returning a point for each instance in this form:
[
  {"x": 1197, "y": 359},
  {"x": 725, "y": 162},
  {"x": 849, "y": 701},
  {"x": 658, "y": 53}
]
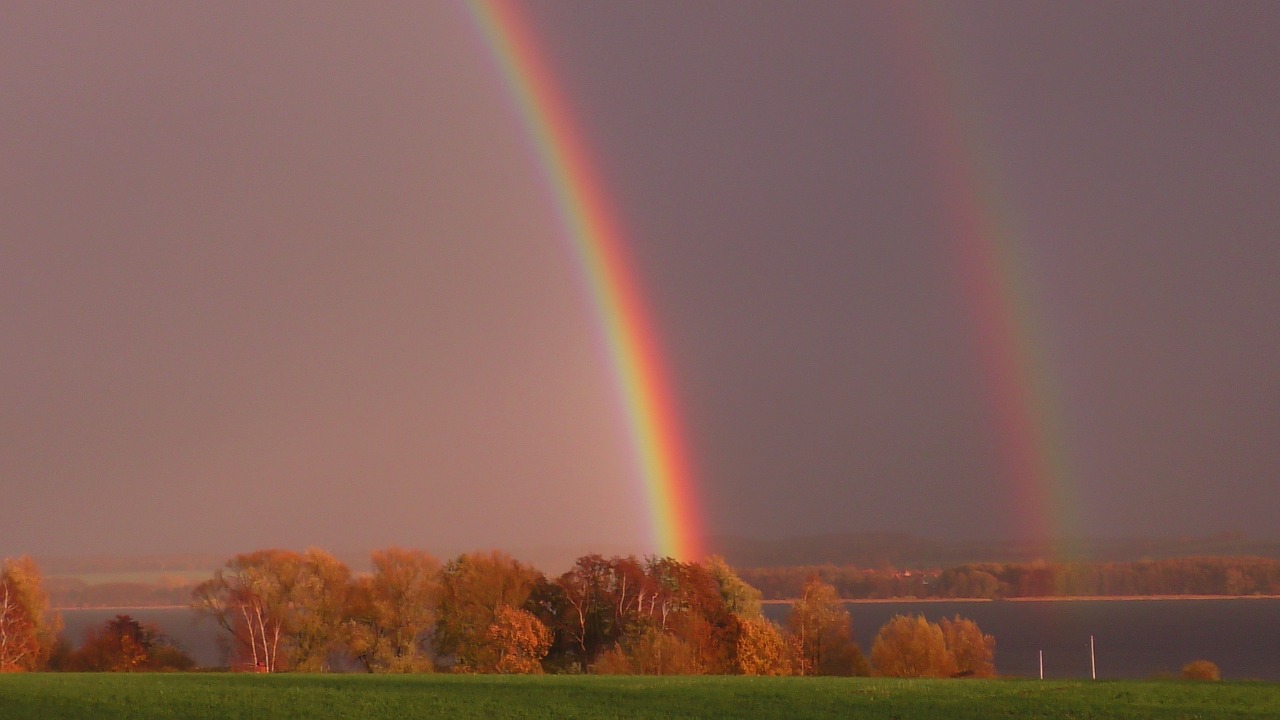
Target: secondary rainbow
[
  {"x": 600, "y": 248},
  {"x": 998, "y": 281}
]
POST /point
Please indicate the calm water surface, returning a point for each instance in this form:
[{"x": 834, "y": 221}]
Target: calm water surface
[{"x": 1133, "y": 639}]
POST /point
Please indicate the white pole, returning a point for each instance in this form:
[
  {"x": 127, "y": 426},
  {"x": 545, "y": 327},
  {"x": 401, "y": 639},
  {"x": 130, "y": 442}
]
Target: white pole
[
  {"x": 1041, "y": 664},
  {"x": 1093, "y": 662}
]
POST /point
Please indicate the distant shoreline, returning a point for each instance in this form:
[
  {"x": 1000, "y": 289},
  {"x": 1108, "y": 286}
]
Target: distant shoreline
[{"x": 1064, "y": 598}]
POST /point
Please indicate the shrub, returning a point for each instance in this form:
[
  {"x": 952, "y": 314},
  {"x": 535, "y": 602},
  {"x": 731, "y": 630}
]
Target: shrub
[
  {"x": 911, "y": 646},
  {"x": 762, "y": 649},
  {"x": 651, "y": 652},
  {"x": 519, "y": 641},
  {"x": 972, "y": 651},
  {"x": 1200, "y": 670}
]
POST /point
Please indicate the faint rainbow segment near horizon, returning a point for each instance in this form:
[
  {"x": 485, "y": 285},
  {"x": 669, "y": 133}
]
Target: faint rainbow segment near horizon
[
  {"x": 997, "y": 278},
  {"x": 599, "y": 247}
]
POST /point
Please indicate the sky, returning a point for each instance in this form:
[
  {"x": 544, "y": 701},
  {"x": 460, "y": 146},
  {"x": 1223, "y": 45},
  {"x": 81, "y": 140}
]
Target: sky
[{"x": 290, "y": 274}]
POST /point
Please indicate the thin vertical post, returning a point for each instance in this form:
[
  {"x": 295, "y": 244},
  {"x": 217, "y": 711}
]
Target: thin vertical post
[
  {"x": 1041, "y": 664},
  {"x": 1093, "y": 660}
]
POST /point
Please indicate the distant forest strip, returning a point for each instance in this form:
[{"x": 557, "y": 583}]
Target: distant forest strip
[
  {"x": 901, "y": 550},
  {"x": 1225, "y": 576}
]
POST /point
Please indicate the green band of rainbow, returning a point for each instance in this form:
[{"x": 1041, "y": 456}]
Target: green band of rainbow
[{"x": 599, "y": 247}]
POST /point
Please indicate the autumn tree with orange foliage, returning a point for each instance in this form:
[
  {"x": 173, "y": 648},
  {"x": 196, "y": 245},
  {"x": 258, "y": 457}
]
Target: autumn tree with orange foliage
[
  {"x": 1200, "y": 670},
  {"x": 650, "y": 651},
  {"x": 28, "y": 631},
  {"x": 519, "y": 641},
  {"x": 618, "y": 615},
  {"x": 762, "y": 649},
  {"x": 972, "y": 652},
  {"x": 19, "y": 641},
  {"x": 318, "y": 606},
  {"x": 590, "y": 605},
  {"x": 822, "y": 631},
  {"x": 123, "y": 644},
  {"x": 739, "y": 598},
  {"x": 759, "y": 646},
  {"x": 248, "y": 597},
  {"x": 283, "y": 610},
  {"x": 910, "y": 646},
  {"x": 474, "y": 587},
  {"x": 393, "y": 611},
  {"x": 700, "y": 617}
]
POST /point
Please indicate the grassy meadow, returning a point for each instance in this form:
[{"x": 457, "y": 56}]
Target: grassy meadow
[{"x": 265, "y": 697}]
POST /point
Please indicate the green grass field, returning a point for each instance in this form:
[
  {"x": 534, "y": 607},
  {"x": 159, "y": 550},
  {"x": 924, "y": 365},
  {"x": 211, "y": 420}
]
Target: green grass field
[{"x": 263, "y": 697}]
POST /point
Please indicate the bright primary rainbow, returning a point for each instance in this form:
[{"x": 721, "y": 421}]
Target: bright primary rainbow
[{"x": 599, "y": 247}]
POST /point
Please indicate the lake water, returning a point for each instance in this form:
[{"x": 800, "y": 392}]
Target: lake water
[{"x": 1133, "y": 638}]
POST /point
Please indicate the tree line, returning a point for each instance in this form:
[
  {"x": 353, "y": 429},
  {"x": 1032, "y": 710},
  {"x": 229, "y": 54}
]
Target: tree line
[
  {"x": 1227, "y": 576},
  {"x": 489, "y": 613}
]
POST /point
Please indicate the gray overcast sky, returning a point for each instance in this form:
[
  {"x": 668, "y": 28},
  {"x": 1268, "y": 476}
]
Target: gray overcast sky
[{"x": 286, "y": 273}]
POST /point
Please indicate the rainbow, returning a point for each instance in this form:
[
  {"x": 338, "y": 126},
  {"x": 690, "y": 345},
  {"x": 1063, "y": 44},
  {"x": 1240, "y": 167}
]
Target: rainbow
[
  {"x": 998, "y": 283},
  {"x": 600, "y": 249}
]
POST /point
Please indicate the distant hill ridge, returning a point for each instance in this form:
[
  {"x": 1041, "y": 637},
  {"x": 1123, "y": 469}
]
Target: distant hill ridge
[{"x": 901, "y": 550}]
